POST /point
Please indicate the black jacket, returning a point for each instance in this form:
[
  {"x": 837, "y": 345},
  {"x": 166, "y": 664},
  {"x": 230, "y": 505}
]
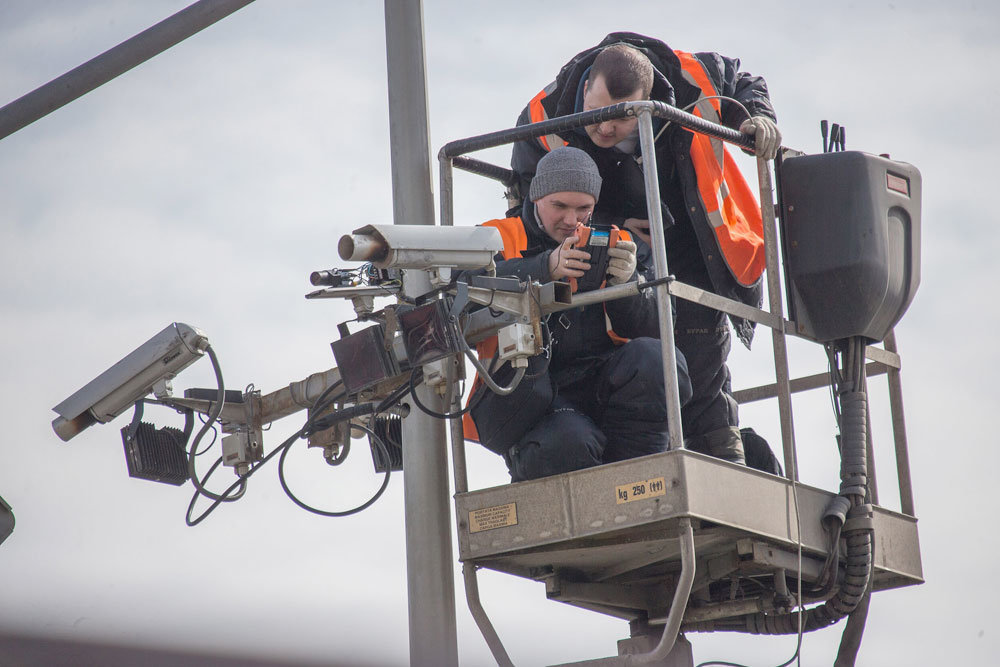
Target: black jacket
[{"x": 623, "y": 191}]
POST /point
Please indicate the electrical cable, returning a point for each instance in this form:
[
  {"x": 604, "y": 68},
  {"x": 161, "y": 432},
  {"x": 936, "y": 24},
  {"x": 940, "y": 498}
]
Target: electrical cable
[
  {"x": 848, "y": 507},
  {"x": 213, "y": 416},
  {"x": 215, "y": 432},
  {"x": 484, "y": 374},
  {"x": 345, "y": 449},
  {"x": 473, "y": 402},
  {"x": 317, "y": 424},
  {"x": 288, "y": 441},
  {"x": 383, "y": 450},
  {"x": 391, "y": 399},
  {"x": 322, "y": 402},
  {"x": 241, "y": 482},
  {"x": 387, "y": 402}
]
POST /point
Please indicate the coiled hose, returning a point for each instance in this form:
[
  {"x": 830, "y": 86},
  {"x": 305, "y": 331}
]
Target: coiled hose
[{"x": 848, "y": 514}]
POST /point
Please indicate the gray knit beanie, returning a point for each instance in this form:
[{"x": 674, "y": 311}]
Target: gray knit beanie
[{"x": 565, "y": 169}]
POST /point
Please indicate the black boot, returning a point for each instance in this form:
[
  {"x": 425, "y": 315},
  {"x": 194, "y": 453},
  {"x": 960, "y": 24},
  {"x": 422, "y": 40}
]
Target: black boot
[{"x": 722, "y": 443}]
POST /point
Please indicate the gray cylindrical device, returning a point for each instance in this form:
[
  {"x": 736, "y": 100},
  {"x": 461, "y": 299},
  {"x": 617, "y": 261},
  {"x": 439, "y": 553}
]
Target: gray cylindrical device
[{"x": 362, "y": 248}]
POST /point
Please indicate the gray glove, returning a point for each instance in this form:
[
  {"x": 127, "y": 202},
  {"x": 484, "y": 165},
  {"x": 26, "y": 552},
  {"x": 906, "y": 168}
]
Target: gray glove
[
  {"x": 767, "y": 137},
  {"x": 621, "y": 262}
]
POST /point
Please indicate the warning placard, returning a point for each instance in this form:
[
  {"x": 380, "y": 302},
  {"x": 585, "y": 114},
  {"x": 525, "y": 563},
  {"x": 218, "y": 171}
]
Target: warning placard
[
  {"x": 649, "y": 488},
  {"x": 489, "y": 518}
]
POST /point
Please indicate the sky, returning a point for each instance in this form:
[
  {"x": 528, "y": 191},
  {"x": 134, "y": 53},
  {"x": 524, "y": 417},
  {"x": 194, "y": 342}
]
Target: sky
[{"x": 206, "y": 184}]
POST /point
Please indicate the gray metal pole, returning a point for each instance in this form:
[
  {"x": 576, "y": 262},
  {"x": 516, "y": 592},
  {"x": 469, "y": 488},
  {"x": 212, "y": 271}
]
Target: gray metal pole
[
  {"x": 429, "y": 568},
  {"x": 899, "y": 432},
  {"x": 778, "y": 343},
  {"x": 113, "y": 62},
  {"x": 663, "y": 307}
]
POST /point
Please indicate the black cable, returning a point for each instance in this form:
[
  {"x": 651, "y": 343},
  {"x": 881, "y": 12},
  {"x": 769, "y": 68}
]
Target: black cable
[
  {"x": 213, "y": 416},
  {"x": 328, "y": 420},
  {"x": 385, "y": 481},
  {"x": 317, "y": 404},
  {"x": 292, "y": 438},
  {"x": 215, "y": 432},
  {"x": 723, "y": 663},
  {"x": 345, "y": 449},
  {"x": 387, "y": 402},
  {"x": 323, "y": 401},
  {"x": 218, "y": 501},
  {"x": 473, "y": 402},
  {"x": 391, "y": 399},
  {"x": 224, "y": 497}
]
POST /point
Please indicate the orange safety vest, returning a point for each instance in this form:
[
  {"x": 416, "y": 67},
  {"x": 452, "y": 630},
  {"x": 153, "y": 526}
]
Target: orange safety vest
[
  {"x": 515, "y": 242},
  {"x": 725, "y": 195}
]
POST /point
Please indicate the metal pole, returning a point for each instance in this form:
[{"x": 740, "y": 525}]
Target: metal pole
[
  {"x": 899, "y": 431},
  {"x": 446, "y": 180},
  {"x": 663, "y": 307},
  {"x": 482, "y": 619},
  {"x": 429, "y": 569},
  {"x": 679, "y": 604},
  {"x": 781, "y": 377},
  {"x": 113, "y": 62}
]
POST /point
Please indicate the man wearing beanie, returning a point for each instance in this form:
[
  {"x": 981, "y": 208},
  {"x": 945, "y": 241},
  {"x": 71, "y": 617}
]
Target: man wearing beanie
[
  {"x": 592, "y": 400},
  {"x": 713, "y": 234}
]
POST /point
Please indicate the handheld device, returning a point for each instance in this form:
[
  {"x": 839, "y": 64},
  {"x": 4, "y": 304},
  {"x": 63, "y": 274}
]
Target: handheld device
[{"x": 597, "y": 240}]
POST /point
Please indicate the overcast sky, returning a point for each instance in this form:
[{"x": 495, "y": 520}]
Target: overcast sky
[{"x": 205, "y": 185}]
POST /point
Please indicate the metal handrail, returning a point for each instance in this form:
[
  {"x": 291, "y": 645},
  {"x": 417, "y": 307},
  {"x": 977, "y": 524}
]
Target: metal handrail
[{"x": 885, "y": 361}]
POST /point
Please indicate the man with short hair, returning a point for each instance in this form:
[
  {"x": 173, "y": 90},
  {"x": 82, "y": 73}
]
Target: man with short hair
[
  {"x": 711, "y": 220},
  {"x": 595, "y": 399}
]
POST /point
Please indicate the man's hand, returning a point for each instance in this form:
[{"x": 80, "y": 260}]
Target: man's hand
[
  {"x": 640, "y": 228},
  {"x": 767, "y": 137},
  {"x": 621, "y": 264},
  {"x": 568, "y": 262}
]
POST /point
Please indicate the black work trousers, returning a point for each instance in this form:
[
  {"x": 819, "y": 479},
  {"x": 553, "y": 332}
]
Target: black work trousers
[
  {"x": 702, "y": 334},
  {"x": 617, "y": 413}
]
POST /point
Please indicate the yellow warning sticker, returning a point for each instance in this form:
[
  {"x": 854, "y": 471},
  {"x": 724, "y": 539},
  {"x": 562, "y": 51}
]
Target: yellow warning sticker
[
  {"x": 650, "y": 488},
  {"x": 489, "y": 518}
]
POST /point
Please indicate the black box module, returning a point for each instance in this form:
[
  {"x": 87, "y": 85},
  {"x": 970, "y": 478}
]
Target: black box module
[
  {"x": 363, "y": 359},
  {"x": 427, "y": 332},
  {"x": 851, "y": 238}
]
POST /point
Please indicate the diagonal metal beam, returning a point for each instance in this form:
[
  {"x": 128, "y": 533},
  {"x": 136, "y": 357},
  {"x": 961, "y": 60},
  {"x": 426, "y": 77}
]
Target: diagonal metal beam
[{"x": 115, "y": 61}]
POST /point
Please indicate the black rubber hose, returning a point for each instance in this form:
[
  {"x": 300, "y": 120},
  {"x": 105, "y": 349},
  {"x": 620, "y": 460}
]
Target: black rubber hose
[{"x": 853, "y": 485}]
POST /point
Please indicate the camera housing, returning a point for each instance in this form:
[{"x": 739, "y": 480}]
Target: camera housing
[
  {"x": 115, "y": 390},
  {"x": 421, "y": 246}
]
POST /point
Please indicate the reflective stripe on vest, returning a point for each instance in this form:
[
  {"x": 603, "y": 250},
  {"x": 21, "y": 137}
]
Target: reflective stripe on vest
[
  {"x": 539, "y": 114},
  {"x": 728, "y": 201}
]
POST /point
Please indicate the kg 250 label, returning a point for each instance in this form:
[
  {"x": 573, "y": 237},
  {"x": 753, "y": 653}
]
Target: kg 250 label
[{"x": 649, "y": 488}]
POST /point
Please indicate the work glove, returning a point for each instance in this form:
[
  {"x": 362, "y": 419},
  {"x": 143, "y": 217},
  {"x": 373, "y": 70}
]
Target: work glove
[
  {"x": 767, "y": 137},
  {"x": 621, "y": 262}
]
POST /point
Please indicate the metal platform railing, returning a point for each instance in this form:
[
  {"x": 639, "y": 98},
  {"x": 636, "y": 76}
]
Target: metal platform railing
[{"x": 594, "y": 550}]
